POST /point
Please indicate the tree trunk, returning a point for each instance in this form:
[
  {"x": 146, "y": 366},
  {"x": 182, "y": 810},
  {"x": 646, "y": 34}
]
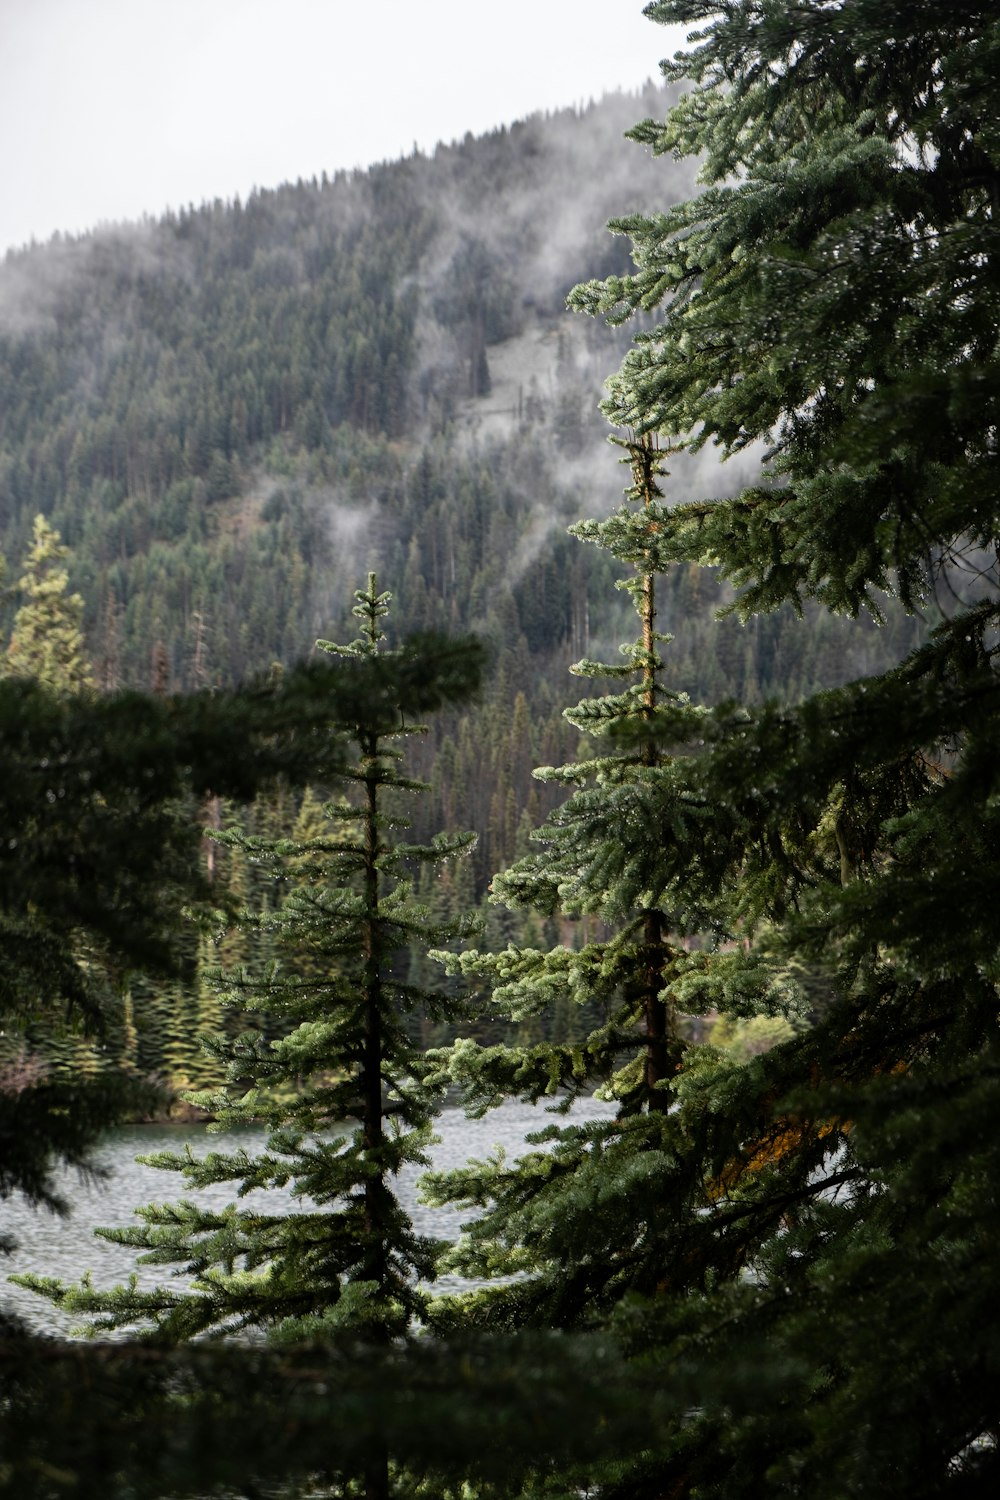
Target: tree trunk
[
  {"x": 375, "y": 1269},
  {"x": 659, "y": 1019}
]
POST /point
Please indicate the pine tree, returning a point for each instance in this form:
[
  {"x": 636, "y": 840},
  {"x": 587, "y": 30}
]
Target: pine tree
[
  {"x": 567, "y": 1215},
  {"x": 100, "y": 850},
  {"x": 821, "y": 1224},
  {"x": 47, "y": 645},
  {"x": 351, "y": 1264},
  {"x": 47, "y": 638}
]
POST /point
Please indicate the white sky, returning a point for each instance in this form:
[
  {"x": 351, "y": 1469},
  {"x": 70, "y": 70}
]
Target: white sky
[{"x": 114, "y": 108}]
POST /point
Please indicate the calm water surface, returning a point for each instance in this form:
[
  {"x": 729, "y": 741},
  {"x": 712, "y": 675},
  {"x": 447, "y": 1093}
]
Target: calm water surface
[{"x": 68, "y": 1248}]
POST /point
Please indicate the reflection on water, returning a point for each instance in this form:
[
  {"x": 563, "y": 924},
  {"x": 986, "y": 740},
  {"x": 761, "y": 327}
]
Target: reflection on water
[{"x": 68, "y": 1249}]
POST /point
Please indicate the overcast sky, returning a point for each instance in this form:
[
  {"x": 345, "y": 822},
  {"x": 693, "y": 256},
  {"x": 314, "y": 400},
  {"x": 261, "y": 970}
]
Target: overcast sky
[{"x": 114, "y": 108}]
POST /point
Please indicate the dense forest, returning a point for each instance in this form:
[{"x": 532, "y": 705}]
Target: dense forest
[
  {"x": 740, "y": 880},
  {"x": 230, "y": 415}
]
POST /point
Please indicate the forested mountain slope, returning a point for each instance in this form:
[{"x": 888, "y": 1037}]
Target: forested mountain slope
[{"x": 232, "y": 413}]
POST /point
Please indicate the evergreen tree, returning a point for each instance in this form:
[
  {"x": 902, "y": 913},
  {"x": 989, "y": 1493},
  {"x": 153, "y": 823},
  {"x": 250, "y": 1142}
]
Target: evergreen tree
[
  {"x": 47, "y": 640},
  {"x": 100, "y": 853},
  {"x": 819, "y": 1226},
  {"x": 809, "y": 1236},
  {"x": 565, "y": 1214},
  {"x": 351, "y": 1263},
  {"x": 47, "y": 644}
]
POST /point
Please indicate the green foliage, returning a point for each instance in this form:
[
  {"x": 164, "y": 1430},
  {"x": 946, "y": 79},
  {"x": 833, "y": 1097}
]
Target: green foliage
[
  {"x": 233, "y": 412},
  {"x": 564, "y": 1217},
  {"x": 99, "y": 805},
  {"x": 349, "y": 1260},
  {"x": 46, "y": 641},
  {"x": 480, "y": 1419},
  {"x": 826, "y": 294},
  {"x": 789, "y": 1257}
]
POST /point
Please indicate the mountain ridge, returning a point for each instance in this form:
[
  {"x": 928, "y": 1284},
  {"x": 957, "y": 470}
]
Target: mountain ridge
[{"x": 233, "y": 413}]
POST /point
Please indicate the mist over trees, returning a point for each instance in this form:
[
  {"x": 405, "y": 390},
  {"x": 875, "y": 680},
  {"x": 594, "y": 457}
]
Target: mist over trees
[
  {"x": 233, "y": 413},
  {"x": 772, "y": 1270}
]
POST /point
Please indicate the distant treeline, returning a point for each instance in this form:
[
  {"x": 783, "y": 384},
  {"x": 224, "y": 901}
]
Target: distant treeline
[{"x": 231, "y": 413}]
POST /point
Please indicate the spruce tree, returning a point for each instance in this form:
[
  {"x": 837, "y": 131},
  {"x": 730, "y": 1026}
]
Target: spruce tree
[
  {"x": 821, "y": 1225},
  {"x": 345, "y": 1094},
  {"x": 100, "y": 854},
  {"x": 47, "y": 640},
  {"x": 47, "y": 646},
  {"x": 637, "y": 954}
]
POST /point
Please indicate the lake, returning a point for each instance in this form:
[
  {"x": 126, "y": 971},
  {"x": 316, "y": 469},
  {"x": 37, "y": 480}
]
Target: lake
[{"x": 67, "y": 1248}]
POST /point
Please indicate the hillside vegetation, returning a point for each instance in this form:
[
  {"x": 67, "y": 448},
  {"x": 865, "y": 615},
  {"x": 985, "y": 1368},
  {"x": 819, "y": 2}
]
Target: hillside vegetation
[
  {"x": 232, "y": 413},
  {"x": 768, "y": 1265}
]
